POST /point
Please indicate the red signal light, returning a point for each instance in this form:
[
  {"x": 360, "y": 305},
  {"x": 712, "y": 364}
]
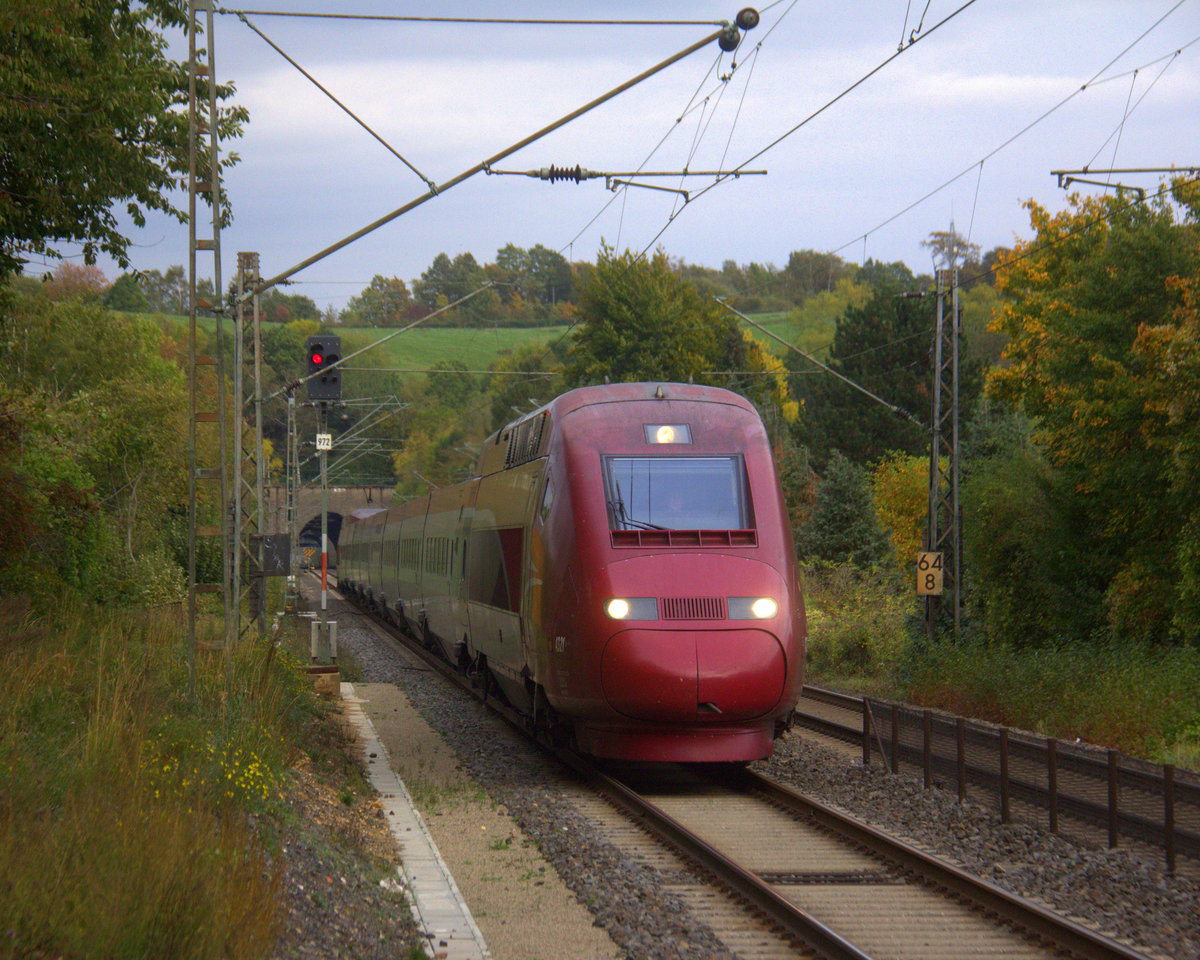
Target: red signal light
[{"x": 317, "y": 359}]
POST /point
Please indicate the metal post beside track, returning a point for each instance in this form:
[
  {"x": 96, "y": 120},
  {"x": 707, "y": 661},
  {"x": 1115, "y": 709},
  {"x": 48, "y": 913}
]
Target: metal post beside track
[
  {"x": 895, "y": 738},
  {"x": 1052, "y": 782},
  {"x": 960, "y": 743},
  {"x": 1005, "y": 807},
  {"x": 1114, "y": 833},
  {"x": 1169, "y": 815},
  {"x": 866, "y": 732},
  {"x": 927, "y": 747}
]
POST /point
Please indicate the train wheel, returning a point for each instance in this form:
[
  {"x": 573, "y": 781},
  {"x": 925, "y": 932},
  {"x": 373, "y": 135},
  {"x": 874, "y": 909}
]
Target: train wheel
[{"x": 486, "y": 684}]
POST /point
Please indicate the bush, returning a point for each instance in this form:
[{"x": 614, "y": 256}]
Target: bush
[
  {"x": 1024, "y": 575},
  {"x": 842, "y": 527},
  {"x": 1134, "y": 698},
  {"x": 856, "y": 623}
]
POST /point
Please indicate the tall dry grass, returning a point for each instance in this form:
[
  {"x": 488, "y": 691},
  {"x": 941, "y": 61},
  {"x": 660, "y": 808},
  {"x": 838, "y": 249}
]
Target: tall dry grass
[{"x": 124, "y": 798}]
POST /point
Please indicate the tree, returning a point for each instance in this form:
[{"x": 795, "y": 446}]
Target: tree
[
  {"x": 1096, "y": 278},
  {"x": 900, "y": 493},
  {"x": 166, "y": 292},
  {"x": 93, "y": 113},
  {"x": 280, "y": 307},
  {"x": 384, "y": 302},
  {"x": 126, "y": 295},
  {"x": 884, "y": 346},
  {"x": 843, "y": 527},
  {"x": 809, "y": 272},
  {"x": 950, "y": 249},
  {"x": 85, "y": 281},
  {"x": 640, "y": 321},
  {"x": 97, "y": 409}
]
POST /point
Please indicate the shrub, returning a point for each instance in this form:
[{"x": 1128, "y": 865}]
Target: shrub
[
  {"x": 843, "y": 527},
  {"x": 1140, "y": 699},
  {"x": 856, "y": 622}
]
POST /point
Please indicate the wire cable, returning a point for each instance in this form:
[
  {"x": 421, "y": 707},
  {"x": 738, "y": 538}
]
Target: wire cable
[
  {"x": 1029, "y": 126},
  {"x": 362, "y": 123},
  {"x": 520, "y": 21},
  {"x": 812, "y": 116},
  {"x": 1128, "y": 110}
]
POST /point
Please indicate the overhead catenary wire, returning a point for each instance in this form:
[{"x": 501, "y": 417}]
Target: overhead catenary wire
[
  {"x": 508, "y": 21},
  {"x": 483, "y": 165},
  {"x": 1129, "y": 110},
  {"x": 1020, "y": 133},
  {"x": 355, "y": 117},
  {"x": 811, "y": 359},
  {"x": 816, "y": 113}
]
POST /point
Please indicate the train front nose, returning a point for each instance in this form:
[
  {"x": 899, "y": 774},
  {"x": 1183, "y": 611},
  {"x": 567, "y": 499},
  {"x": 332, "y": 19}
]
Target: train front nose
[
  {"x": 693, "y": 675},
  {"x": 700, "y": 650}
]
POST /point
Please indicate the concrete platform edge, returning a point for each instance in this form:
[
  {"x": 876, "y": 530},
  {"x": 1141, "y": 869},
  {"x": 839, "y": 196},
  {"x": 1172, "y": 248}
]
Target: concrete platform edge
[{"x": 437, "y": 904}]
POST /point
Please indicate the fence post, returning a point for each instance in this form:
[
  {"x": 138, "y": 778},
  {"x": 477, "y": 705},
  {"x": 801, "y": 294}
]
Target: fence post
[
  {"x": 866, "y": 732},
  {"x": 960, "y": 735},
  {"x": 1005, "y": 811},
  {"x": 1169, "y": 814},
  {"x": 927, "y": 747},
  {"x": 1052, "y": 781},
  {"x": 895, "y": 738},
  {"x": 1113, "y": 824}
]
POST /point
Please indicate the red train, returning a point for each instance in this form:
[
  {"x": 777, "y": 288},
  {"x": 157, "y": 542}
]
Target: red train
[{"x": 621, "y": 568}]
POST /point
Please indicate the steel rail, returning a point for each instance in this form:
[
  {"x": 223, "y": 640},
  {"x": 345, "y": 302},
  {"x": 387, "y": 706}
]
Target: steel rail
[
  {"x": 757, "y": 892},
  {"x": 1025, "y": 914},
  {"x": 798, "y": 924}
]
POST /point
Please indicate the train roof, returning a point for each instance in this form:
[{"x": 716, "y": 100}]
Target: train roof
[
  {"x": 524, "y": 439},
  {"x": 624, "y": 392}
]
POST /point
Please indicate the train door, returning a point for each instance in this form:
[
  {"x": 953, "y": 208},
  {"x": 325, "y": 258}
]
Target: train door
[
  {"x": 533, "y": 603},
  {"x": 495, "y": 567},
  {"x": 462, "y": 536}
]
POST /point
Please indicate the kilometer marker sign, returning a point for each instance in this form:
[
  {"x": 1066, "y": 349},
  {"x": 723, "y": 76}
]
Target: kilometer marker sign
[{"x": 929, "y": 574}]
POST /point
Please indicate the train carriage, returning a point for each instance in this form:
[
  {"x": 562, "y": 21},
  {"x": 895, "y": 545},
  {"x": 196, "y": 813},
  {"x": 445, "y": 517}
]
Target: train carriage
[{"x": 621, "y": 568}]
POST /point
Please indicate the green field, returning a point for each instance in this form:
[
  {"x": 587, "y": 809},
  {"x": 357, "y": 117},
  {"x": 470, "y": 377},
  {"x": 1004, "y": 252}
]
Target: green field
[
  {"x": 418, "y": 349},
  {"x": 478, "y": 347}
]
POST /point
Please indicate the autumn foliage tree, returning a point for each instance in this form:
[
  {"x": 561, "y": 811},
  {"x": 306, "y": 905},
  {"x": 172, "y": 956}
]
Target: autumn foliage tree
[
  {"x": 93, "y": 113},
  {"x": 1097, "y": 310}
]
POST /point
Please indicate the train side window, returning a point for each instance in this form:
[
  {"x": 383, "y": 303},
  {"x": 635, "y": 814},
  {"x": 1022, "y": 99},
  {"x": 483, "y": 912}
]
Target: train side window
[{"x": 547, "y": 499}]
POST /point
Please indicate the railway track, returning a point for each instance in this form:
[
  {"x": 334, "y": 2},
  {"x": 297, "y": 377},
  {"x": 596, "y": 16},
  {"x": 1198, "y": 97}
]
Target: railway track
[
  {"x": 1087, "y": 792},
  {"x": 835, "y": 886},
  {"x": 775, "y": 874}
]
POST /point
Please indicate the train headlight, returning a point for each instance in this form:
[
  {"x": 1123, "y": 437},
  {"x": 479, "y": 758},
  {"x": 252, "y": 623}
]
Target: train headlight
[
  {"x": 668, "y": 433},
  {"x": 752, "y": 608},
  {"x": 632, "y": 608}
]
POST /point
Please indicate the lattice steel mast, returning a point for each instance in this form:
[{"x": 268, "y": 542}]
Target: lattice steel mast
[
  {"x": 202, "y": 158},
  {"x": 943, "y": 532}
]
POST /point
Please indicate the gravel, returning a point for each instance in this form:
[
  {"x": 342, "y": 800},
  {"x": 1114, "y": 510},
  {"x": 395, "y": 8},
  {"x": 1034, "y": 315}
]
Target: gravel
[{"x": 1114, "y": 891}]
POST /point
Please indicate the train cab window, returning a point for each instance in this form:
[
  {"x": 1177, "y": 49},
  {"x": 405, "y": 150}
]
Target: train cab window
[{"x": 676, "y": 493}]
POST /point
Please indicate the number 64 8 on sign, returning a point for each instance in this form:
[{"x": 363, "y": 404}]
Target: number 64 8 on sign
[{"x": 929, "y": 574}]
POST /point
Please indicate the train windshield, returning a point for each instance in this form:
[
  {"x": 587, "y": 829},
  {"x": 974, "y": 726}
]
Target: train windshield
[{"x": 676, "y": 493}]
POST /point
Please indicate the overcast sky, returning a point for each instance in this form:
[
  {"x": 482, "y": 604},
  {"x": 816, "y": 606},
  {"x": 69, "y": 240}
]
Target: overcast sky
[{"x": 851, "y": 179}]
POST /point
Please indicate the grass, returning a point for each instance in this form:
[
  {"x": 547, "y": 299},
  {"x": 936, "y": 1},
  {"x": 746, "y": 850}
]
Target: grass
[
  {"x": 864, "y": 636},
  {"x": 422, "y": 349},
  {"x": 1143, "y": 701},
  {"x": 134, "y": 792}
]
